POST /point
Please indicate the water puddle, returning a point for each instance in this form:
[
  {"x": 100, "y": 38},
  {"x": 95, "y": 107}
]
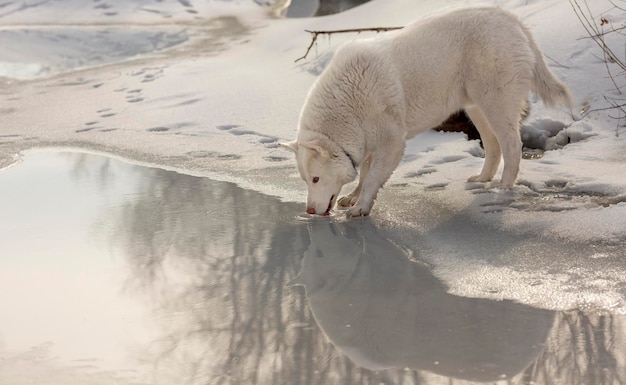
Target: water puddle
[
  {"x": 114, "y": 273},
  {"x": 310, "y": 8}
]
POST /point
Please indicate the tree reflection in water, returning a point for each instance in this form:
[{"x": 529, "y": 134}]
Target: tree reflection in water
[{"x": 215, "y": 261}]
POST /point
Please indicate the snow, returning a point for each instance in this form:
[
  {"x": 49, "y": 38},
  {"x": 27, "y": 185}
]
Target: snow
[{"x": 209, "y": 88}]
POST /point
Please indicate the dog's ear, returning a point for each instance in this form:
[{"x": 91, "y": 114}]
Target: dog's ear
[
  {"x": 292, "y": 146},
  {"x": 315, "y": 146}
]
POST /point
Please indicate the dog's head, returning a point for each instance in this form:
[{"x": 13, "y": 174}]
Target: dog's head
[{"x": 325, "y": 168}]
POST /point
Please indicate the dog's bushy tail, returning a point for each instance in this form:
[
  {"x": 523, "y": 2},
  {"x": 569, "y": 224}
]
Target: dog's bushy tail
[{"x": 552, "y": 91}]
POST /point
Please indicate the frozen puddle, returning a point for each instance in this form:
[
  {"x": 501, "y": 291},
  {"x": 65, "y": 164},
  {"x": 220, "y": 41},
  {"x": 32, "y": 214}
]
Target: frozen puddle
[
  {"x": 36, "y": 52},
  {"x": 113, "y": 273}
]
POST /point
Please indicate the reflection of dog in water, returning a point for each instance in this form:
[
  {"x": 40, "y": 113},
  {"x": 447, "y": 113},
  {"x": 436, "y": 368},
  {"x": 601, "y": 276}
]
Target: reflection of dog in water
[{"x": 383, "y": 310}]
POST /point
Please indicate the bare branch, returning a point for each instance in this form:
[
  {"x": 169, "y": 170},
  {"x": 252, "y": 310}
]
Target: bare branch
[
  {"x": 594, "y": 32},
  {"x": 617, "y": 6},
  {"x": 313, "y": 40},
  {"x": 604, "y": 33},
  {"x": 315, "y": 34},
  {"x": 598, "y": 33}
]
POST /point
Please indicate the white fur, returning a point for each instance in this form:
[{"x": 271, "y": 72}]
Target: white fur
[{"x": 376, "y": 93}]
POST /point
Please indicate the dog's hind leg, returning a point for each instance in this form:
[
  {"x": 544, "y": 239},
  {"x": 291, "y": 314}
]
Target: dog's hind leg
[
  {"x": 490, "y": 143},
  {"x": 350, "y": 199},
  {"x": 503, "y": 116}
]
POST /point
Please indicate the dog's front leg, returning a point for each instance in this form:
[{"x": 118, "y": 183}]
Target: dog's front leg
[
  {"x": 350, "y": 199},
  {"x": 382, "y": 164}
]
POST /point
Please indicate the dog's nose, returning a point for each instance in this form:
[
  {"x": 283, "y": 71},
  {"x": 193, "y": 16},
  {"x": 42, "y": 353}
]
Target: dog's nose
[{"x": 310, "y": 210}]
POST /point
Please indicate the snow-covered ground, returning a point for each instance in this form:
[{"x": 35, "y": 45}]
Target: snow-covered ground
[{"x": 209, "y": 88}]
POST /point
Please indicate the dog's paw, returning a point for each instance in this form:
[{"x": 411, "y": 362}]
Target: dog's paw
[
  {"x": 347, "y": 200},
  {"x": 501, "y": 185},
  {"x": 478, "y": 178},
  {"x": 357, "y": 211}
]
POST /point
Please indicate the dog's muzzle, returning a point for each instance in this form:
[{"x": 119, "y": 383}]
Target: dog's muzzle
[{"x": 311, "y": 210}]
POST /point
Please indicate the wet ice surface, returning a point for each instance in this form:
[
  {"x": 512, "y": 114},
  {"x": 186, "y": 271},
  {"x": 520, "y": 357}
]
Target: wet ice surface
[
  {"x": 114, "y": 273},
  {"x": 34, "y": 52}
]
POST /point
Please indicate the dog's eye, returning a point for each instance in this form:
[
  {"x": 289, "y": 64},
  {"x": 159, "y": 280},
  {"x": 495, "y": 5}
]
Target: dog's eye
[{"x": 316, "y": 179}]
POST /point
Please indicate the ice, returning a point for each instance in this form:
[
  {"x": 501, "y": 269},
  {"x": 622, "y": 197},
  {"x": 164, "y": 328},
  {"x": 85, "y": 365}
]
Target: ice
[
  {"x": 35, "y": 52},
  {"x": 20, "y": 70}
]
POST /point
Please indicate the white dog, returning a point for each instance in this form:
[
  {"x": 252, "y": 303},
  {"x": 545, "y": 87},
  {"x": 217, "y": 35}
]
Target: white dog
[{"x": 376, "y": 93}]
